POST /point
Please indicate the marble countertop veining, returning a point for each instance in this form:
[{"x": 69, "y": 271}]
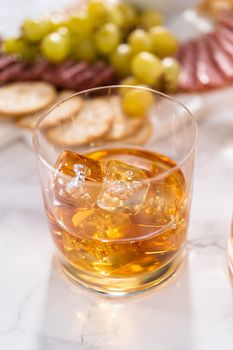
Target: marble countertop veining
[{"x": 41, "y": 310}]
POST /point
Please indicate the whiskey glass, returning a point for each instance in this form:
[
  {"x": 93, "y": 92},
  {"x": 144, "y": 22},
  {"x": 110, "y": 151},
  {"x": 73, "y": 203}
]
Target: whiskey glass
[{"x": 118, "y": 211}]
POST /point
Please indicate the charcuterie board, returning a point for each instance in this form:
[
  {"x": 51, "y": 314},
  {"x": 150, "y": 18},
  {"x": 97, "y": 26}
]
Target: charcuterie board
[{"x": 205, "y": 56}]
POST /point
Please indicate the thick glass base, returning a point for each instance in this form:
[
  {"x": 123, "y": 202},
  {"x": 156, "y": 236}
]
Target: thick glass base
[{"x": 120, "y": 286}]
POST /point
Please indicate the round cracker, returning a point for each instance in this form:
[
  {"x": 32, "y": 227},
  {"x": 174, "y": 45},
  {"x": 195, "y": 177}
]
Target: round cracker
[
  {"x": 56, "y": 116},
  {"x": 139, "y": 138},
  {"x": 122, "y": 125},
  {"x": 90, "y": 124},
  {"x": 18, "y": 99},
  {"x": 142, "y": 135},
  {"x": 5, "y": 118},
  {"x": 29, "y": 121}
]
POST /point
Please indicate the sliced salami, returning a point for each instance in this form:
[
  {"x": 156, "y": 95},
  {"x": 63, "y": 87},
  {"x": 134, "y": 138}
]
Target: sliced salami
[
  {"x": 34, "y": 72},
  {"x": 55, "y": 73},
  {"x": 12, "y": 73},
  {"x": 6, "y": 61},
  {"x": 187, "y": 56},
  {"x": 49, "y": 75},
  {"x": 224, "y": 43},
  {"x": 226, "y": 18},
  {"x": 225, "y": 33},
  {"x": 68, "y": 76},
  {"x": 103, "y": 78},
  {"x": 64, "y": 66},
  {"x": 222, "y": 61},
  {"x": 82, "y": 81},
  {"x": 206, "y": 72}
]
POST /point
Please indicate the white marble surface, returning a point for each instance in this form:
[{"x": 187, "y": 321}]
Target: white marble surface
[{"x": 40, "y": 310}]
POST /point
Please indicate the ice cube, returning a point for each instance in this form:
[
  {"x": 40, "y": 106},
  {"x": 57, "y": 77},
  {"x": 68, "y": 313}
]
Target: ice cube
[
  {"x": 68, "y": 163},
  {"x": 79, "y": 186},
  {"x": 110, "y": 264},
  {"x": 165, "y": 207},
  {"x": 124, "y": 188},
  {"x": 100, "y": 224}
]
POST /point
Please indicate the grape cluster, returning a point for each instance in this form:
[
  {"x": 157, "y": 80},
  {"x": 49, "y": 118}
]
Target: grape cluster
[{"x": 133, "y": 41}]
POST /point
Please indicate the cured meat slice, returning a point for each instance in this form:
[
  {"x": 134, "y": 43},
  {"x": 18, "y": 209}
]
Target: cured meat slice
[
  {"x": 65, "y": 65},
  {"x": 12, "y": 73},
  {"x": 83, "y": 81},
  {"x": 222, "y": 61},
  {"x": 206, "y": 72},
  {"x": 226, "y": 18},
  {"x": 187, "y": 58},
  {"x": 68, "y": 76},
  {"x": 224, "y": 43},
  {"x": 179, "y": 53},
  {"x": 103, "y": 78},
  {"x": 49, "y": 75},
  {"x": 60, "y": 75},
  {"x": 225, "y": 33},
  {"x": 6, "y": 61},
  {"x": 34, "y": 72},
  {"x": 55, "y": 73}
]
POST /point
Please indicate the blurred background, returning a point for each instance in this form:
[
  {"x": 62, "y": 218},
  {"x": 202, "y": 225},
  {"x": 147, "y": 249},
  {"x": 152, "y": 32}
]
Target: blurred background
[{"x": 13, "y": 12}]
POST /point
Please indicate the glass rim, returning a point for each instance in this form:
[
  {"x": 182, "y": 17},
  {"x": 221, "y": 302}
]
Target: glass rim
[{"x": 36, "y": 144}]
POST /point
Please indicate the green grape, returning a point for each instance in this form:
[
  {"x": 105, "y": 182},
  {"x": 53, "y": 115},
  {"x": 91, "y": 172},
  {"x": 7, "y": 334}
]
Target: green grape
[
  {"x": 29, "y": 52},
  {"x": 64, "y": 31},
  {"x": 12, "y": 45},
  {"x": 56, "y": 46},
  {"x": 116, "y": 16},
  {"x": 97, "y": 12},
  {"x": 56, "y": 22},
  {"x": 129, "y": 81},
  {"x": 130, "y": 14},
  {"x": 132, "y": 81},
  {"x": 22, "y": 48},
  {"x": 35, "y": 29},
  {"x": 137, "y": 102},
  {"x": 140, "y": 41},
  {"x": 121, "y": 59},
  {"x": 85, "y": 50},
  {"x": 107, "y": 38},
  {"x": 163, "y": 41},
  {"x": 147, "y": 68},
  {"x": 80, "y": 24},
  {"x": 150, "y": 19},
  {"x": 171, "y": 72},
  {"x": 74, "y": 42}
]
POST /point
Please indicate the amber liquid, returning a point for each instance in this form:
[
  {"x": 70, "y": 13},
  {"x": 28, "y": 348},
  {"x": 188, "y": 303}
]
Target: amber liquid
[{"x": 121, "y": 250}]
